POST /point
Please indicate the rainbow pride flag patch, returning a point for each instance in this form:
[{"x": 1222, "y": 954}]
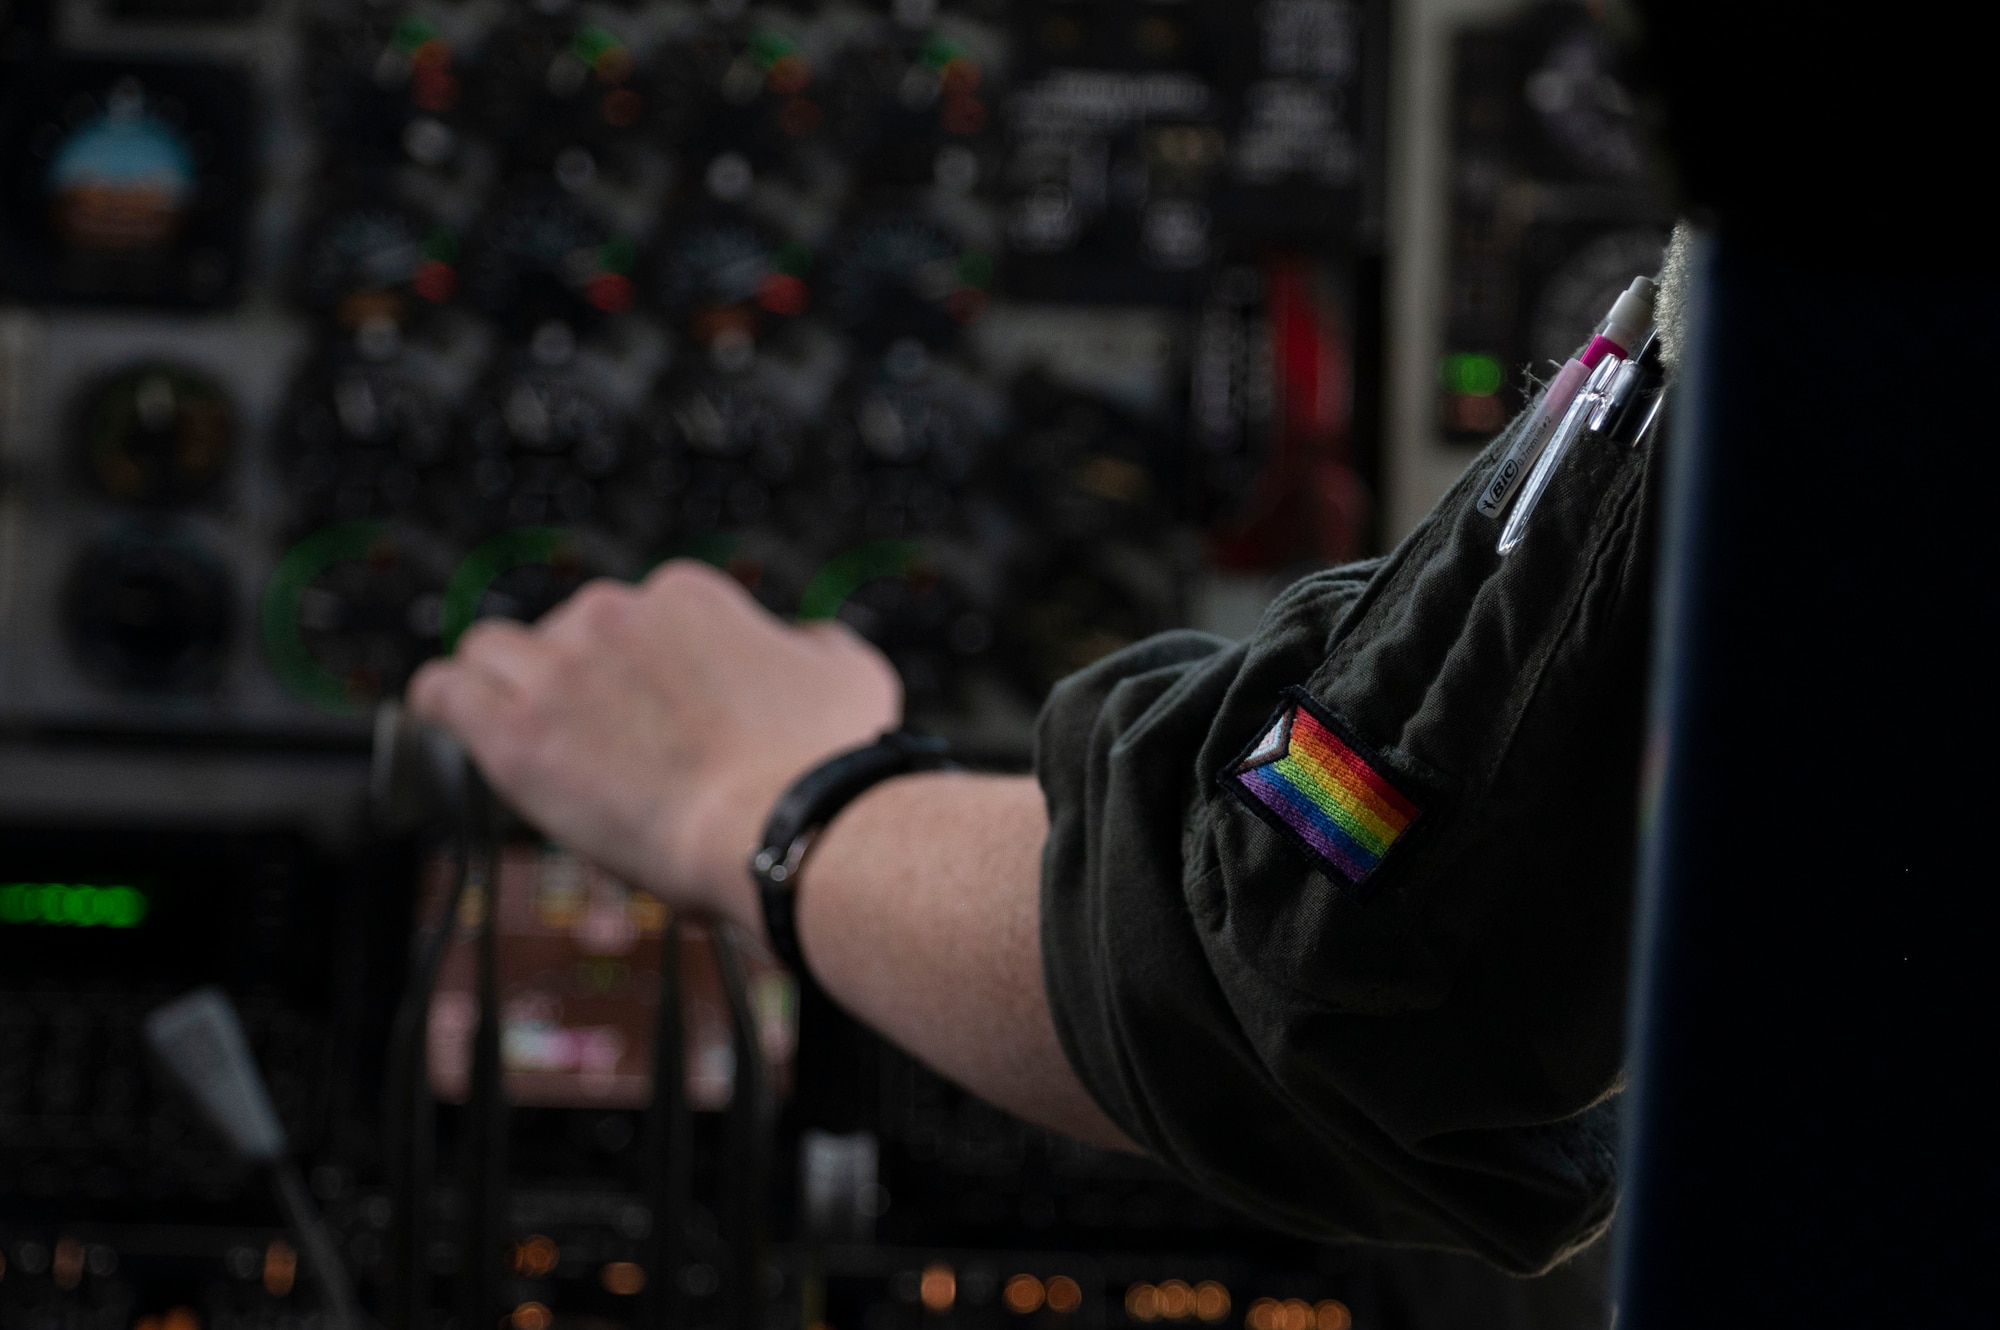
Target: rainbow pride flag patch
[{"x": 1319, "y": 789}]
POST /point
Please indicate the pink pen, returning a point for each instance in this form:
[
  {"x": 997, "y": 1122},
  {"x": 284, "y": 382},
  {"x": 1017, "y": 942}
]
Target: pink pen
[{"x": 1631, "y": 314}]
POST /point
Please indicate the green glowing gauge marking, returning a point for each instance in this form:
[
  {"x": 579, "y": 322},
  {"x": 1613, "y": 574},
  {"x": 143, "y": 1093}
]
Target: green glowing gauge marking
[
  {"x": 72, "y": 904},
  {"x": 284, "y": 644},
  {"x": 508, "y": 550},
  {"x": 846, "y": 573}
]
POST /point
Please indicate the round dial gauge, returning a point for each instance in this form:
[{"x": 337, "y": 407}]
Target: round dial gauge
[
  {"x": 545, "y": 259},
  {"x": 350, "y": 613},
  {"x": 908, "y": 605},
  {"x": 149, "y": 611},
  {"x": 901, "y": 276},
  {"x": 541, "y": 447},
  {"x": 897, "y": 457},
  {"x": 520, "y": 574},
  {"x": 378, "y": 262},
  {"x": 157, "y": 434},
  {"x": 725, "y": 273},
  {"x": 718, "y": 454},
  {"x": 364, "y": 441},
  {"x": 1586, "y": 112}
]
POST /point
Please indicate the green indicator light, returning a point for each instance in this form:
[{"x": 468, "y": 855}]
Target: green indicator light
[
  {"x": 1471, "y": 374},
  {"x": 975, "y": 268},
  {"x": 938, "y": 52},
  {"x": 72, "y": 905},
  {"x": 412, "y": 33},
  {"x": 617, "y": 255},
  {"x": 592, "y": 41},
  {"x": 768, "y": 47},
  {"x": 847, "y": 573},
  {"x": 441, "y": 244},
  {"x": 510, "y": 549}
]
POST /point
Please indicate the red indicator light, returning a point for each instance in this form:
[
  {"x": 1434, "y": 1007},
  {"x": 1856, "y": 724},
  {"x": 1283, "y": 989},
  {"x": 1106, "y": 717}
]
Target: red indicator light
[
  {"x": 782, "y": 293},
  {"x": 959, "y": 75},
  {"x": 963, "y": 115},
  {"x": 966, "y": 304},
  {"x": 613, "y": 64},
  {"x": 621, "y": 108},
  {"x": 799, "y": 117},
  {"x": 434, "y": 281},
  {"x": 788, "y": 74},
  {"x": 434, "y": 90},
  {"x": 609, "y": 292}
]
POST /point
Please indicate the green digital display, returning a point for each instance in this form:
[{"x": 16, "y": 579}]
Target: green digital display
[{"x": 72, "y": 904}]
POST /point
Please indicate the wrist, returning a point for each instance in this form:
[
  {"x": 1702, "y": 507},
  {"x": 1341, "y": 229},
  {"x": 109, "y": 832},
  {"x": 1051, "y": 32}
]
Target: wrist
[
  {"x": 721, "y": 831},
  {"x": 807, "y": 807}
]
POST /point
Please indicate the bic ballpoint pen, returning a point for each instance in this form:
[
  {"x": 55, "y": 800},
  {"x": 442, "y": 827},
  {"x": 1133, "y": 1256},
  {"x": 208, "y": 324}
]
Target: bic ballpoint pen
[{"x": 1574, "y": 422}]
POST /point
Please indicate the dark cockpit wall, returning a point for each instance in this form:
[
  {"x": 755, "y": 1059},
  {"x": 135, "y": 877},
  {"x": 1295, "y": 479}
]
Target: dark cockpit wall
[{"x": 1809, "y": 1138}]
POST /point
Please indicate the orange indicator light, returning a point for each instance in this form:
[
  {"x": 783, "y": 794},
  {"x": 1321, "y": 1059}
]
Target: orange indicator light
[
  {"x": 938, "y": 1288},
  {"x": 1332, "y": 1314},
  {"x": 1022, "y": 1295},
  {"x": 281, "y": 1268}
]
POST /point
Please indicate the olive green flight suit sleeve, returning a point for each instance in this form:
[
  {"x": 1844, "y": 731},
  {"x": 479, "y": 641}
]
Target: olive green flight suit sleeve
[{"x": 1433, "y": 1057}]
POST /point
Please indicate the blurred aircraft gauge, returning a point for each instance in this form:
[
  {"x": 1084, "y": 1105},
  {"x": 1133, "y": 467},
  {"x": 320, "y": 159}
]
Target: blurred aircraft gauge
[
  {"x": 124, "y": 181},
  {"x": 899, "y": 453},
  {"x": 545, "y": 258},
  {"x": 375, "y": 262},
  {"x": 364, "y": 441},
  {"x": 900, "y": 276},
  {"x": 157, "y": 434},
  {"x": 905, "y": 602},
  {"x": 149, "y": 611},
  {"x": 350, "y": 613},
  {"x": 726, "y": 274},
  {"x": 520, "y": 574},
  {"x": 541, "y": 446},
  {"x": 718, "y": 452}
]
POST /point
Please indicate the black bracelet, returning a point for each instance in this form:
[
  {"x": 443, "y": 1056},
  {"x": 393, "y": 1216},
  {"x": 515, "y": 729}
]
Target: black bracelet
[{"x": 811, "y": 803}]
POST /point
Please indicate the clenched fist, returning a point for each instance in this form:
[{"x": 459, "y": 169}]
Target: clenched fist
[{"x": 651, "y": 728}]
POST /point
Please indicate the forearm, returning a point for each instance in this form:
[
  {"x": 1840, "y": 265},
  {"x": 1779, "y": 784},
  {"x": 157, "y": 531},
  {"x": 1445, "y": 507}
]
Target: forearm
[
  {"x": 652, "y": 728},
  {"x": 919, "y": 912}
]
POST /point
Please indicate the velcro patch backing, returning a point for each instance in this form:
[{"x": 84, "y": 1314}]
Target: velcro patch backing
[{"x": 1313, "y": 782}]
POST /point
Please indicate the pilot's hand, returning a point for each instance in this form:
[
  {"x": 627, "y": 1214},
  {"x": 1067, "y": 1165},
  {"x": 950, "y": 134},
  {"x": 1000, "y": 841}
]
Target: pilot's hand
[{"x": 650, "y": 728}]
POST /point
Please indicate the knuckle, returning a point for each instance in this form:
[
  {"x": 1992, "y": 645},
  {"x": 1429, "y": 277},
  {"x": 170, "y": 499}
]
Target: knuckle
[
  {"x": 602, "y": 603},
  {"x": 421, "y": 694},
  {"x": 482, "y": 636},
  {"x": 687, "y": 578}
]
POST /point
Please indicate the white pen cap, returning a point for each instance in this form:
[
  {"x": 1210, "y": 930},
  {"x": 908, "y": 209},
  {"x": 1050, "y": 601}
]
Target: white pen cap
[{"x": 1631, "y": 314}]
